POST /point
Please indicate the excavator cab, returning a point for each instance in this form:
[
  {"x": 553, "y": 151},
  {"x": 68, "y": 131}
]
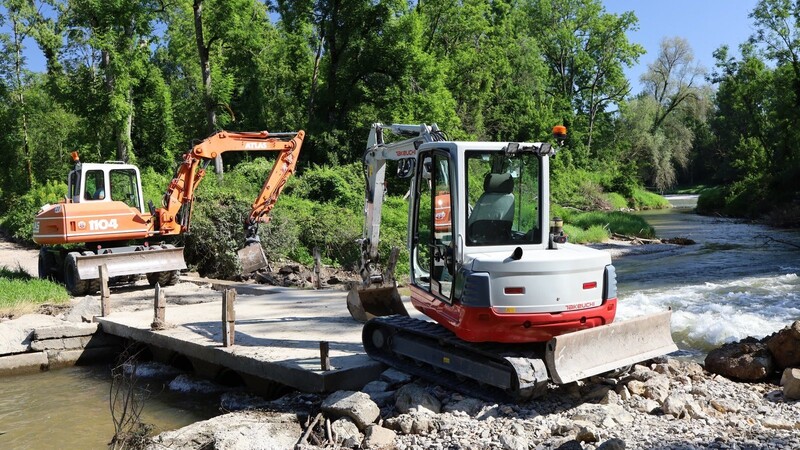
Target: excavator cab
[{"x": 110, "y": 181}]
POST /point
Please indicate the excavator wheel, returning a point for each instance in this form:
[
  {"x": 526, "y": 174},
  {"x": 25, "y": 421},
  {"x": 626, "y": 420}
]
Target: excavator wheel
[
  {"x": 75, "y": 286},
  {"x": 168, "y": 278},
  {"x": 47, "y": 264}
]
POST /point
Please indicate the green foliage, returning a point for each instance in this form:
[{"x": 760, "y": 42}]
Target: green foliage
[
  {"x": 711, "y": 201},
  {"x": 18, "y": 220},
  {"x": 22, "y": 292},
  {"x": 342, "y": 185},
  {"x": 617, "y": 201},
  {"x": 643, "y": 199},
  {"x": 577, "y": 235},
  {"x": 154, "y": 185},
  {"x": 614, "y": 222}
]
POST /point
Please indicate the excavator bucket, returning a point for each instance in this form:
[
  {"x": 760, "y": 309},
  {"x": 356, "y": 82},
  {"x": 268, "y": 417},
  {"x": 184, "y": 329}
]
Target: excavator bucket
[
  {"x": 597, "y": 350},
  {"x": 131, "y": 263},
  {"x": 252, "y": 257},
  {"x": 366, "y": 303}
]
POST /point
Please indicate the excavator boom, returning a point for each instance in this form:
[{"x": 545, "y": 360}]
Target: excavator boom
[{"x": 175, "y": 215}]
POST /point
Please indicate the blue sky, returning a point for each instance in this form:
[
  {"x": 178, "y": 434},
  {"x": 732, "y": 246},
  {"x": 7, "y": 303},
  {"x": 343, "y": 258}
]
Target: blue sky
[{"x": 706, "y": 24}]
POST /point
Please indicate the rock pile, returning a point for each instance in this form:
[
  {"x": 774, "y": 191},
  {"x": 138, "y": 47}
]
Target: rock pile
[
  {"x": 758, "y": 360},
  {"x": 665, "y": 404}
]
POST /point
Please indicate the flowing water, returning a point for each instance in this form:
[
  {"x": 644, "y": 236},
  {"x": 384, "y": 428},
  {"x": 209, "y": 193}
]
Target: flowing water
[{"x": 738, "y": 280}]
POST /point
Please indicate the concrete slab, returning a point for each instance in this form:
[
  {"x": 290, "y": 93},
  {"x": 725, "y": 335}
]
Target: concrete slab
[{"x": 278, "y": 334}]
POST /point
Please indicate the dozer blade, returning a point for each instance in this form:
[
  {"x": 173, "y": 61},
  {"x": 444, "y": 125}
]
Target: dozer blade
[
  {"x": 366, "y": 303},
  {"x": 593, "y": 351},
  {"x": 131, "y": 263},
  {"x": 252, "y": 257}
]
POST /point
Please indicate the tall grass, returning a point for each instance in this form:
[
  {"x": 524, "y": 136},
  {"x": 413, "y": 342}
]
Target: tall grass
[{"x": 21, "y": 293}]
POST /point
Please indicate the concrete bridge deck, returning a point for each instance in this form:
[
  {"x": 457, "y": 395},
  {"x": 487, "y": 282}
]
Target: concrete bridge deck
[{"x": 277, "y": 337}]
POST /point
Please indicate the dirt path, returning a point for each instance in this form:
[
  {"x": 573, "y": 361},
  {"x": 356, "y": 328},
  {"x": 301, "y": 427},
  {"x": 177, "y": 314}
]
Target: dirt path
[{"x": 13, "y": 255}]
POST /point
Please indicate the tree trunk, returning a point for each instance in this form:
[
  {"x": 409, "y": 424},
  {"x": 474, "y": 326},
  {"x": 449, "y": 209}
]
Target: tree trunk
[
  {"x": 205, "y": 68},
  {"x": 26, "y": 146},
  {"x": 315, "y": 74}
]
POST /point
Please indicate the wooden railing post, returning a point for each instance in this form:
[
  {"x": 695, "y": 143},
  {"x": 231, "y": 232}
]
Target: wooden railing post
[
  {"x": 317, "y": 269},
  {"x": 105, "y": 293},
  {"x": 324, "y": 355},
  {"x": 228, "y": 317},
  {"x": 159, "y": 309}
]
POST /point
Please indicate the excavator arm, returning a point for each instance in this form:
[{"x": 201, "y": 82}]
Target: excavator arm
[
  {"x": 375, "y": 157},
  {"x": 174, "y": 216},
  {"x": 377, "y": 294}
]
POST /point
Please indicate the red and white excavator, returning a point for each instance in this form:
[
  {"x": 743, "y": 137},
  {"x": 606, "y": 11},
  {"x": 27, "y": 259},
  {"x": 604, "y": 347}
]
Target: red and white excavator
[
  {"x": 104, "y": 212},
  {"x": 515, "y": 306}
]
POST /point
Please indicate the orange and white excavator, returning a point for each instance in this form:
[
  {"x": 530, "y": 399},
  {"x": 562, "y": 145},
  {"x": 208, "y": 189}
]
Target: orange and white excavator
[{"x": 104, "y": 212}]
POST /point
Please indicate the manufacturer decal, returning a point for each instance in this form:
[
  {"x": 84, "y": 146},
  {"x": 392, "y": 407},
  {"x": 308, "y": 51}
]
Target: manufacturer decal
[
  {"x": 580, "y": 306},
  {"x": 81, "y": 225},
  {"x": 255, "y": 145}
]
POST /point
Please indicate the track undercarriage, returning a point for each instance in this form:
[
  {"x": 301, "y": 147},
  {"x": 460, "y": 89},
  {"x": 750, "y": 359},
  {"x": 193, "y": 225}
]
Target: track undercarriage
[{"x": 513, "y": 372}]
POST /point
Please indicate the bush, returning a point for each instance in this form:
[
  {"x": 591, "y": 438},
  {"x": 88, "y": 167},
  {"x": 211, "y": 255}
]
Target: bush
[
  {"x": 595, "y": 233},
  {"x": 643, "y": 199},
  {"x": 617, "y": 201},
  {"x": 711, "y": 201},
  {"x": 341, "y": 185},
  {"x": 614, "y": 222},
  {"x": 18, "y": 222}
]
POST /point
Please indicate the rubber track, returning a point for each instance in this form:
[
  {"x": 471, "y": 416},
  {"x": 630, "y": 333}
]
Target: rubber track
[{"x": 443, "y": 338}]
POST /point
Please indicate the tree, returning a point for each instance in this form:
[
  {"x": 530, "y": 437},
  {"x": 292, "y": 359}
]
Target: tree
[
  {"x": 659, "y": 120},
  {"x": 21, "y": 16},
  {"x": 113, "y": 37},
  {"x": 585, "y": 49}
]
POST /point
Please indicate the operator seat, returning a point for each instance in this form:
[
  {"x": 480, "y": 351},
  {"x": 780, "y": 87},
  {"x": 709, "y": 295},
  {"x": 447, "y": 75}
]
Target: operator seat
[{"x": 493, "y": 214}]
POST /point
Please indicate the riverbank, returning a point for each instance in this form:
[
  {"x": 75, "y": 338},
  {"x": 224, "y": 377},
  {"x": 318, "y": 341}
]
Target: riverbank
[
  {"x": 667, "y": 404},
  {"x": 585, "y": 415}
]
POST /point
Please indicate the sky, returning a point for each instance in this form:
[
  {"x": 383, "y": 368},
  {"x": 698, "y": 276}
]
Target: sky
[{"x": 705, "y": 24}]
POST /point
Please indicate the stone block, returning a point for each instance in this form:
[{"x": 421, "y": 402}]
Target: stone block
[
  {"x": 72, "y": 343},
  {"x": 355, "y": 405},
  {"x": 67, "y": 358},
  {"x": 23, "y": 363},
  {"x": 66, "y": 330}
]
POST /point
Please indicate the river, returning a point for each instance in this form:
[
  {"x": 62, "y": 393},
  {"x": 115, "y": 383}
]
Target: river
[
  {"x": 738, "y": 280},
  {"x": 69, "y": 408}
]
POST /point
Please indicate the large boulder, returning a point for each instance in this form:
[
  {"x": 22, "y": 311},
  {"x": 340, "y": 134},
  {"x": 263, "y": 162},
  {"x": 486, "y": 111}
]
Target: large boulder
[
  {"x": 747, "y": 360},
  {"x": 785, "y": 346},
  {"x": 355, "y": 405}
]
